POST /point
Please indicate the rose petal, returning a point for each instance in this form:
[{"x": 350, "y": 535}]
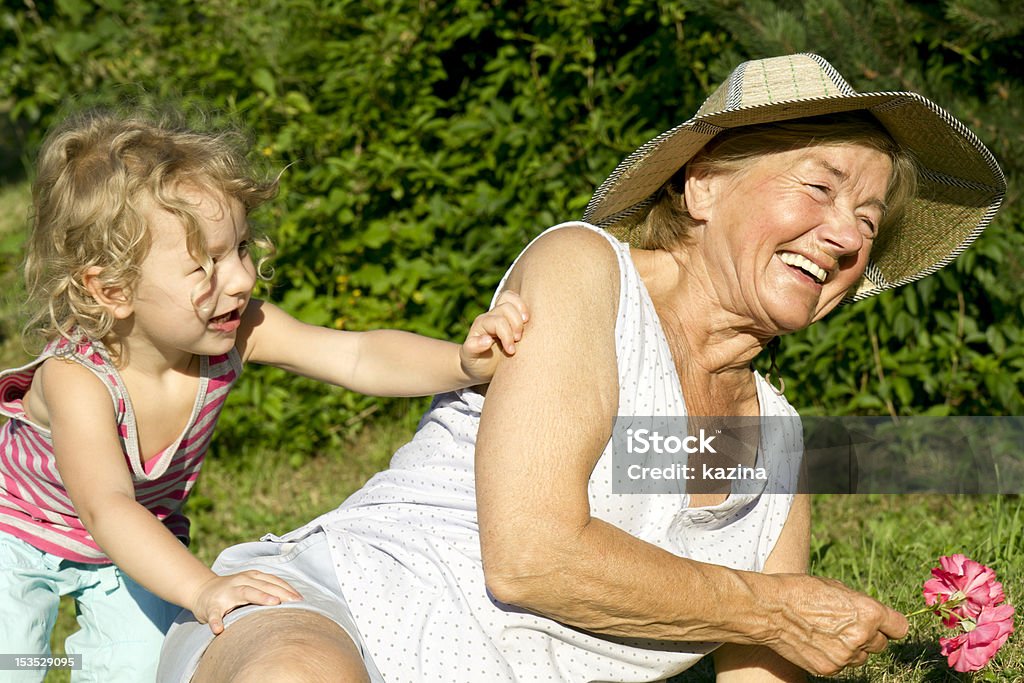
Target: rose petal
[
  {"x": 973, "y": 650},
  {"x": 958, "y": 573}
]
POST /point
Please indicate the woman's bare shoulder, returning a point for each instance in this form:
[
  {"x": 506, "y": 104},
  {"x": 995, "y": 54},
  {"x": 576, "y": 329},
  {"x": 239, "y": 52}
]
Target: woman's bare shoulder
[
  {"x": 571, "y": 259},
  {"x": 573, "y": 241}
]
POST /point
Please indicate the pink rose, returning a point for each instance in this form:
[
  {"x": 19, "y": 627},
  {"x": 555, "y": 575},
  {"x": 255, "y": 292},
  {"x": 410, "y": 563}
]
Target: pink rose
[
  {"x": 969, "y": 584},
  {"x": 967, "y": 597},
  {"x": 972, "y": 650}
]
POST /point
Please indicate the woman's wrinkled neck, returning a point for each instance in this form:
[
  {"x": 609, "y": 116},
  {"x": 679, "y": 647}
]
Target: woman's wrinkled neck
[
  {"x": 711, "y": 353},
  {"x": 702, "y": 333}
]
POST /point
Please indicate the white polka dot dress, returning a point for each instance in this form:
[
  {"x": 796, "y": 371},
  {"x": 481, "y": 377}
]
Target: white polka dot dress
[{"x": 407, "y": 551}]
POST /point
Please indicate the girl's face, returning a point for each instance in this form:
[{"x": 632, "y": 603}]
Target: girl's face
[
  {"x": 171, "y": 307},
  {"x": 787, "y": 237}
]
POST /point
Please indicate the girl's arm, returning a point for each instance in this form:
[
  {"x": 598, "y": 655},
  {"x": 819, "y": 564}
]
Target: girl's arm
[
  {"x": 94, "y": 472},
  {"x": 382, "y": 362},
  {"x": 547, "y": 418}
]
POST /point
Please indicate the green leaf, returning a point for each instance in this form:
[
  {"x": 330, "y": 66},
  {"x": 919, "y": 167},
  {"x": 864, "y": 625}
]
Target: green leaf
[
  {"x": 70, "y": 46},
  {"x": 76, "y": 10},
  {"x": 264, "y": 80}
]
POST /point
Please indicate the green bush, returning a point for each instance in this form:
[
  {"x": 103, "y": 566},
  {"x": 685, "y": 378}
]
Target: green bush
[{"x": 424, "y": 143}]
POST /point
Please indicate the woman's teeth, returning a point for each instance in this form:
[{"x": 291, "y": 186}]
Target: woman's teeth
[{"x": 804, "y": 264}]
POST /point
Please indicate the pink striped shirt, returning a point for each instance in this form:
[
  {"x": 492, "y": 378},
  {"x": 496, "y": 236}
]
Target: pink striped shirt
[{"x": 35, "y": 507}]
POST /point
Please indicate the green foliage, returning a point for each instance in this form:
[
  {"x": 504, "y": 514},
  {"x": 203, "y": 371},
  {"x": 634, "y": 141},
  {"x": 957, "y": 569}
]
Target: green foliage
[
  {"x": 424, "y": 143},
  {"x": 14, "y": 201}
]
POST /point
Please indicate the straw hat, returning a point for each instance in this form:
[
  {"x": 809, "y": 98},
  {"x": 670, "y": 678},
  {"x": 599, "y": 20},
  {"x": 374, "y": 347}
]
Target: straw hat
[{"x": 960, "y": 184}]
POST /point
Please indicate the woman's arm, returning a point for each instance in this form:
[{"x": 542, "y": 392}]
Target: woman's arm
[
  {"x": 758, "y": 664},
  {"x": 93, "y": 470},
  {"x": 547, "y": 418},
  {"x": 382, "y": 362}
]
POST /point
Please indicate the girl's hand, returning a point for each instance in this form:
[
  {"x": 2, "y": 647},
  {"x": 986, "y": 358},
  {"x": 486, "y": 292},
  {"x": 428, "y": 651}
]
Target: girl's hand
[
  {"x": 221, "y": 594},
  {"x": 501, "y": 326}
]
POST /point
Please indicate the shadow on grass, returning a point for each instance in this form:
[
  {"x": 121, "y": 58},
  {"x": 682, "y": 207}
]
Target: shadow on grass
[
  {"x": 914, "y": 651},
  {"x": 925, "y": 655},
  {"x": 900, "y": 659}
]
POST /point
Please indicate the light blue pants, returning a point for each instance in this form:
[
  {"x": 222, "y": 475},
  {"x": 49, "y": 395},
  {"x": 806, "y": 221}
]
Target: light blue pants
[{"x": 121, "y": 625}]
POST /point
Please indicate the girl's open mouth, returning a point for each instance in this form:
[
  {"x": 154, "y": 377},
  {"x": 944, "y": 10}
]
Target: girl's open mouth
[{"x": 228, "y": 322}]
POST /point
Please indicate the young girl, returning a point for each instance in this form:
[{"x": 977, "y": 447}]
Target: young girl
[{"x": 139, "y": 263}]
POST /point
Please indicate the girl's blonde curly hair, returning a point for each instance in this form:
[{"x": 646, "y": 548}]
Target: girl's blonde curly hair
[{"x": 95, "y": 173}]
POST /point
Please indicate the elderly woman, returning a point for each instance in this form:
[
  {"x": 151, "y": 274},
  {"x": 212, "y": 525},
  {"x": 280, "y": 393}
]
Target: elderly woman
[{"x": 499, "y": 547}]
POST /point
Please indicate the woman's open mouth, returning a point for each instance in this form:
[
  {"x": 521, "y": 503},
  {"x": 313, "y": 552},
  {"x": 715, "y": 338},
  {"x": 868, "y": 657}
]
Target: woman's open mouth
[{"x": 804, "y": 266}]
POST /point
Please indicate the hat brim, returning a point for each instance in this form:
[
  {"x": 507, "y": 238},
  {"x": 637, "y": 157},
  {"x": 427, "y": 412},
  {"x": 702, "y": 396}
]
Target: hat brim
[{"x": 960, "y": 185}]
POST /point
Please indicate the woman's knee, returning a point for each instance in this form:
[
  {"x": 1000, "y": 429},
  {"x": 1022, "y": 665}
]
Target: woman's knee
[{"x": 282, "y": 646}]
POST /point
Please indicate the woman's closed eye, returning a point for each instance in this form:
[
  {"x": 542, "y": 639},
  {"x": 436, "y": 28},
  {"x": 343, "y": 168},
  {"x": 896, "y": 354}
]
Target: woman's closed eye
[
  {"x": 872, "y": 227},
  {"x": 826, "y": 192}
]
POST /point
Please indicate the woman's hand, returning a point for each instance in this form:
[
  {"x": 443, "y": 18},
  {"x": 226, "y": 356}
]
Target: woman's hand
[
  {"x": 502, "y": 325},
  {"x": 823, "y": 626},
  {"x": 221, "y": 594}
]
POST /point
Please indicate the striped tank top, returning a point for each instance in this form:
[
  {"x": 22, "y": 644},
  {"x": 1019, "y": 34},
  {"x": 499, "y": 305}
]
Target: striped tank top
[{"x": 35, "y": 507}]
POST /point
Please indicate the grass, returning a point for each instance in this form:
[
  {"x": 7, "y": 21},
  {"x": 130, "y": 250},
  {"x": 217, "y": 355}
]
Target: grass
[
  {"x": 881, "y": 545},
  {"x": 885, "y": 545}
]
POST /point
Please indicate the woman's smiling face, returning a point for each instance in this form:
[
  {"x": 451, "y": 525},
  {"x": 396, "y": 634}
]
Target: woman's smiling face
[{"x": 785, "y": 238}]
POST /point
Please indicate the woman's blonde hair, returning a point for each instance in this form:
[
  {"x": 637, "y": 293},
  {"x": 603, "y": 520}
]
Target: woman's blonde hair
[
  {"x": 95, "y": 173},
  {"x": 667, "y": 223}
]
